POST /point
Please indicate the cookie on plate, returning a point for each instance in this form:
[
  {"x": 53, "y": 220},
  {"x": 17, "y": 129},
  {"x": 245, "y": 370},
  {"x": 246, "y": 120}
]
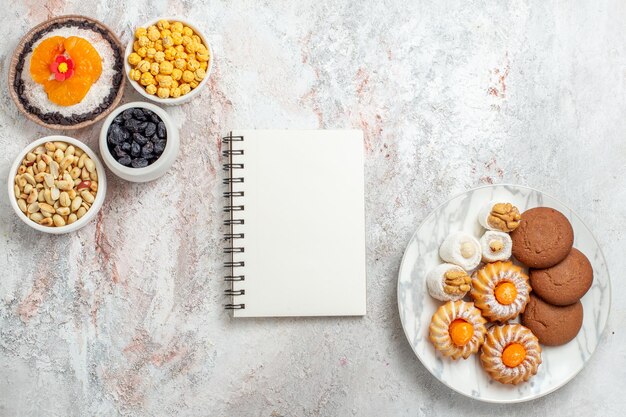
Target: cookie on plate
[
  {"x": 543, "y": 239},
  {"x": 511, "y": 354},
  {"x": 564, "y": 283},
  {"x": 553, "y": 325},
  {"x": 500, "y": 290}
]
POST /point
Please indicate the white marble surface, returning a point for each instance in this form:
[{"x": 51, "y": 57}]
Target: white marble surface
[{"x": 124, "y": 317}]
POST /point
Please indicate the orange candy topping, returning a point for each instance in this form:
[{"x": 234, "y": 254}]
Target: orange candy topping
[
  {"x": 513, "y": 355},
  {"x": 461, "y": 332},
  {"x": 87, "y": 68},
  {"x": 505, "y": 293}
]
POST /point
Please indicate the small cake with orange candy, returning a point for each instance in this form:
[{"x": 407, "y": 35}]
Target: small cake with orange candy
[
  {"x": 510, "y": 354},
  {"x": 69, "y": 72},
  {"x": 457, "y": 329},
  {"x": 500, "y": 290}
]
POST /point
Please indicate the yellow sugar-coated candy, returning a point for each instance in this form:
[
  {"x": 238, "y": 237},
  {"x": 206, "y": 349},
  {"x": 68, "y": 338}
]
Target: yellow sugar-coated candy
[
  {"x": 163, "y": 24},
  {"x": 176, "y": 27},
  {"x": 194, "y": 84},
  {"x": 180, "y": 63},
  {"x": 199, "y": 74},
  {"x": 187, "y": 31},
  {"x": 159, "y": 56},
  {"x": 188, "y": 76},
  {"x": 166, "y": 67},
  {"x": 142, "y": 52},
  {"x": 170, "y": 54},
  {"x": 177, "y": 74},
  {"x": 135, "y": 74},
  {"x": 191, "y": 48},
  {"x": 153, "y": 33},
  {"x": 175, "y": 92},
  {"x": 193, "y": 65},
  {"x": 151, "y": 89},
  {"x": 177, "y": 38},
  {"x": 167, "y": 42},
  {"x": 136, "y": 45},
  {"x": 150, "y": 53},
  {"x": 158, "y": 45},
  {"x": 143, "y": 41},
  {"x": 180, "y": 48},
  {"x": 139, "y": 32},
  {"x": 134, "y": 58},
  {"x": 183, "y": 55},
  {"x": 163, "y": 92},
  {"x": 184, "y": 89},
  {"x": 187, "y": 40},
  {"x": 154, "y": 68},
  {"x": 202, "y": 57},
  {"x": 164, "y": 80},
  {"x": 204, "y": 65},
  {"x": 143, "y": 66},
  {"x": 165, "y": 33},
  {"x": 174, "y": 84},
  {"x": 146, "y": 79}
]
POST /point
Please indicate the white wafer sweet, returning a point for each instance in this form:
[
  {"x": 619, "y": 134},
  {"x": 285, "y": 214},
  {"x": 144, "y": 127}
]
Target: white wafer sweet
[
  {"x": 461, "y": 249},
  {"x": 495, "y": 246},
  {"x": 435, "y": 281}
]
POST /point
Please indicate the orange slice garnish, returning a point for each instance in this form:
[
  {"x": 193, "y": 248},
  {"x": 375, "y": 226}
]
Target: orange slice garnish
[{"x": 87, "y": 68}]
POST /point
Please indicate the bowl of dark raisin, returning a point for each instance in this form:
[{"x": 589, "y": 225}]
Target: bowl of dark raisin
[{"x": 138, "y": 142}]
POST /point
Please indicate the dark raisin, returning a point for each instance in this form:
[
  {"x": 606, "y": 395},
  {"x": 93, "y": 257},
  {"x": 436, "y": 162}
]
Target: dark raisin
[
  {"x": 125, "y": 160},
  {"x": 139, "y": 162},
  {"x": 118, "y": 151},
  {"x": 150, "y": 129},
  {"x": 135, "y": 149},
  {"x": 140, "y": 139},
  {"x": 127, "y": 114},
  {"x": 154, "y": 117},
  {"x": 125, "y": 146},
  {"x": 132, "y": 125},
  {"x": 159, "y": 147},
  {"x": 138, "y": 114},
  {"x": 147, "y": 149},
  {"x": 161, "y": 131},
  {"x": 115, "y": 135}
]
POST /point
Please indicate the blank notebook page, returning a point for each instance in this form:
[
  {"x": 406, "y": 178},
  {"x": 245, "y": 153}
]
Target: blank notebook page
[{"x": 304, "y": 230}]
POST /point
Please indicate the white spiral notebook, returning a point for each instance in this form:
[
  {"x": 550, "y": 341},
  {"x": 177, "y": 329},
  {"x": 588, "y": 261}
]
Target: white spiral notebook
[{"x": 296, "y": 223}]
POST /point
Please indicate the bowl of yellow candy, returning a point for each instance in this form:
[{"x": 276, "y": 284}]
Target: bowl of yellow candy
[{"x": 168, "y": 61}]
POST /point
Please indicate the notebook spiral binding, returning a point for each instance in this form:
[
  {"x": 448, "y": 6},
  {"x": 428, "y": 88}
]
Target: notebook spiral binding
[{"x": 234, "y": 210}]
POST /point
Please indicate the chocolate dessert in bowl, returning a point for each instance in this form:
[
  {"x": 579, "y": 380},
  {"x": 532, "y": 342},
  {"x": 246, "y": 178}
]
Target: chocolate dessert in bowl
[{"x": 67, "y": 72}]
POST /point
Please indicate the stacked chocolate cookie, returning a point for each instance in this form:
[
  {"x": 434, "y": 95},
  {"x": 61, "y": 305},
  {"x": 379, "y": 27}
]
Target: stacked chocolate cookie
[{"x": 560, "y": 275}]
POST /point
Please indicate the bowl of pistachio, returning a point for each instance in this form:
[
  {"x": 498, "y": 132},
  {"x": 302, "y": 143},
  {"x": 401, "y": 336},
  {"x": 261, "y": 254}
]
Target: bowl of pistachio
[{"x": 57, "y": 184}]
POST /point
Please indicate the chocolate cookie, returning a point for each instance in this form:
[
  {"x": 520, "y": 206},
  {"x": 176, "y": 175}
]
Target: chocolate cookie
[
  {"x": 553, "y": 325},
  {"x": 564, "y": 283},
  {"x": 543, "y": 238}
]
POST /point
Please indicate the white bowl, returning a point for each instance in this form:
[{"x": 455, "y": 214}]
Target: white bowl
[
  {"x": 95, "y": 207},
  {"x": 158, "y": 167},
  {"x": 153, "y": 97}
]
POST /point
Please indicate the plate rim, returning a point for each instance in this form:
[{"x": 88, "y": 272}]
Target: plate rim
[{"x": 602, "y": 333}]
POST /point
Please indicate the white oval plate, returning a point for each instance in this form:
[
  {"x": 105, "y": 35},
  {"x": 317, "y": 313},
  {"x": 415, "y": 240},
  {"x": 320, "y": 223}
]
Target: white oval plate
[{"x": 560, "y": 364}]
